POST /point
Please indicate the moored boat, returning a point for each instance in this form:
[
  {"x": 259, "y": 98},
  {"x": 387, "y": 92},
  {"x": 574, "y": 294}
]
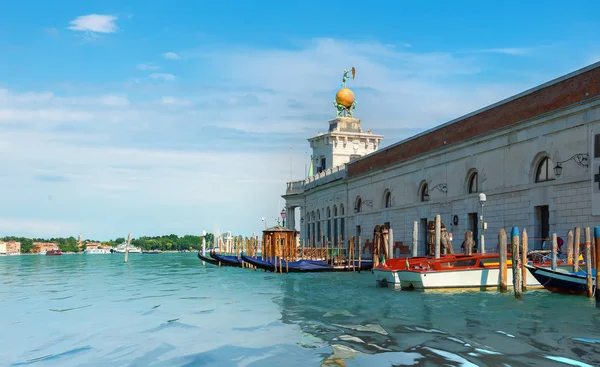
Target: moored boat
[
  {"x": 562, "y": 280},
  {"x": 207, "y": 259},
  {"x": 122, "y": 248},
  {"x": 387, "y": 273},
  {"x": 226, "y": 260},
  {"x": 97, "y": 251},
  {"x": 307, "y": 266},
  {"x": 54, "y": 252}
]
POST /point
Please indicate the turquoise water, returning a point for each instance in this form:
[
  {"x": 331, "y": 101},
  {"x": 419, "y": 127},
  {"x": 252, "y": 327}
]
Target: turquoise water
[{"x": 169, "y": 310}]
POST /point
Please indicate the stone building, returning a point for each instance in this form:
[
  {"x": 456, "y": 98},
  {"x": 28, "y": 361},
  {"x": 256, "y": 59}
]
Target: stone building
[{"x": 530, "y": 155}]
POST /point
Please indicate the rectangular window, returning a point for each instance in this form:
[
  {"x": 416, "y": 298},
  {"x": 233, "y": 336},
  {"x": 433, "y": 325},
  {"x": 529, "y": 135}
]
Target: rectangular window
[
  {"x": 597, "y": 146},
  {"x": 323, "y": 163}
]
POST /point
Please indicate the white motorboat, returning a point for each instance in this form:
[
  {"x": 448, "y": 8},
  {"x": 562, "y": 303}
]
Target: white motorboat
[
  {"x": 97, "y": 251},
  {"x": 122, "y": 247}
]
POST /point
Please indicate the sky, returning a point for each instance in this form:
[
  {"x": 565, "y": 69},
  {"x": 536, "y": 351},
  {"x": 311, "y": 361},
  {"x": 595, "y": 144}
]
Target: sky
[{"x": 160, "y": 117}]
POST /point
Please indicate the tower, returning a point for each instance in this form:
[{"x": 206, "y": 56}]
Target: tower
[{"x": 345, "y": 140}]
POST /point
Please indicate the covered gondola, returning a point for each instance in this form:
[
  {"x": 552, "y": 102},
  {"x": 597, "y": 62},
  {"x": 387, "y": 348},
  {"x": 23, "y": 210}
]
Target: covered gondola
[
  {"x": 306, "y": 266},
  {"x": 561, "y": 281},
  {"x": 226, "y": 260}
]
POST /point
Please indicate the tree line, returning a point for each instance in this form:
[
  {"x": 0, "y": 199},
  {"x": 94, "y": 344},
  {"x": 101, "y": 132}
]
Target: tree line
[{"x": 170, "y": 242}]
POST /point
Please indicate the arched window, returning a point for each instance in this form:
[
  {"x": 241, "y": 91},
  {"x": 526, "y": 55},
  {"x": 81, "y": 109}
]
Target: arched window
[
  {"x": 335, "y": 212},
  {"x": 341, "y": 210},
  {"x": 318, "y": 214},
  {"x": 473, "y": 184},
  {"x": 328, "y": 212},
  {"x": 358, "y": 205},
  {"x": 387, "y": 199},
  {"x": 424, "y": 192},
  {"x": 545, "y": 170}
]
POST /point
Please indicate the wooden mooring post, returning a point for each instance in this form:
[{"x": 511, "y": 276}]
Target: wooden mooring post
[
  {"x": 502, "y": 253},
  {"x": 469, "y": 242},
  {"x": 524, "y": 246},
  {"x": 576, "y": 249},
  {"x": 588, "y": 262},
  {"x": 359, "y": 253},
  {"x": 517, "y": 284},
  {"x": 597, "y": 245},
  {"x": 391, "y": 253},
  {"x": 127, "y": 248},
  {"x": 438, "y": 235},
  {"x": 570, "y": 248},
  {"x": 415, "y": 239},
  {"x": 554, "y": 251}
]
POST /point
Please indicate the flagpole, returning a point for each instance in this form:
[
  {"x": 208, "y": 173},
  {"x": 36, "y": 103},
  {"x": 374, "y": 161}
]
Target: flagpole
[{"x": 305, "y": 165}]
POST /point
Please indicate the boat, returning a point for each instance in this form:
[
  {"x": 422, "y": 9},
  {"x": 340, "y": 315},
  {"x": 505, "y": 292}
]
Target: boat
[
  {"x": 207, "y": 259},
  {"x": 97, "y": 251},
  {"x": 54, "y": 252},
  {"x": 480, "y": 271},
  {"x": 123, "y": 247},
  {"x": 306, "y": 266},
  {"x": 152, "y": 252},
  {"x": 387, "y": 273},
  {"x": 226, "y": 260},
  {"x": 562, "y": 280},
  {"x": 455, "y": 271}
]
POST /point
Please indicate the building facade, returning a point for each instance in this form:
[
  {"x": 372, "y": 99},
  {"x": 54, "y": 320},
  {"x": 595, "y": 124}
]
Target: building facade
[
  {"x": 10, "y": 248},
  {"x": 535, "y": 155}
]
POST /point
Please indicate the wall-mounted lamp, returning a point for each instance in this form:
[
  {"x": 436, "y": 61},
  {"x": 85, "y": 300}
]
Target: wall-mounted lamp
[
  {"x": 581, "y": 160},
  {"x": 442, "y": 187}
]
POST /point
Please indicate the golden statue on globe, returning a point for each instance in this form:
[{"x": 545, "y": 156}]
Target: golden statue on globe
[{"x": 344, "y": 98}]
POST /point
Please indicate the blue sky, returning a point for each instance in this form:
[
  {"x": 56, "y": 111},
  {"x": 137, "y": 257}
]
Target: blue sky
[{"x": 173, "y": 117}]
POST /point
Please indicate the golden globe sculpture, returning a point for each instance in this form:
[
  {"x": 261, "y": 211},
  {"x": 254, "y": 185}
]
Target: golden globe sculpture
[{"x": 344, "y": 98}]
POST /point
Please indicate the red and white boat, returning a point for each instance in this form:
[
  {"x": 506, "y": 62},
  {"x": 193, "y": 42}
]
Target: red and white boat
[
  {"x": 480, "y": 271},
  {"x": 387, "y": 273},
  {"x": 54, "y": 252}
]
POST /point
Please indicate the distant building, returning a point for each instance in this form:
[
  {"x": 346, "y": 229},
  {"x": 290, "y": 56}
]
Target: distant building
[
  {"x": 38, "y": 247},
  {"x": 13, "y": 247},
  {"x": 2, "y": 248},
  {"x": 96, "y": 245}
]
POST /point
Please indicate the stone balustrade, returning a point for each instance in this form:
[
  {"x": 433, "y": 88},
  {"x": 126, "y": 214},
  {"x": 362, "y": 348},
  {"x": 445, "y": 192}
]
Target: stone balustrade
[{"x": 326, "y": 176}]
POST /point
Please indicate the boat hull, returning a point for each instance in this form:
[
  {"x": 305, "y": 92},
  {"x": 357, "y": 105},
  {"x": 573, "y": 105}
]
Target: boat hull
[
  {"x": 483, "y": 279},
  {"x": 558, "y": 281},
  {"x": 207, "y": 259},
  {"x": 226, "y": 260}
]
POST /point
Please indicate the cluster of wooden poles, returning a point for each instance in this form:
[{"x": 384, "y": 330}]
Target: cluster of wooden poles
[
  {"x": 282, "y": 246},
  {"x": 590, "y": 251}
]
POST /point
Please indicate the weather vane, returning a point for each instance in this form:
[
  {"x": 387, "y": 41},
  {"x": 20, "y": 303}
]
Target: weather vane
[{"x": 344, "y": 98}]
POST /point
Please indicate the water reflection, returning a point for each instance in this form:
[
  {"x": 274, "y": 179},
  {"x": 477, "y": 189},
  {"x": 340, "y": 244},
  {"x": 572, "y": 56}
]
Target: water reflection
[{"x": 365, "y": 324}]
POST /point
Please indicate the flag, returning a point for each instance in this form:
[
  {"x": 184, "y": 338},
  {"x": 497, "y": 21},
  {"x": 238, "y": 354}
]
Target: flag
[
  {"x": 310, "y": 169},
  {"x": 383, "y": 260},
  {"x": 407, "y": 266}
]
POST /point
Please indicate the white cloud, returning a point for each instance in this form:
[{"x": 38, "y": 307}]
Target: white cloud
[
  {"x": 506, "y": 50},
  {"x": 94, "y": 23},
  {"x": 168, "y": 100},
  {"x": 171, "y": 56},
  {"x": 148, "y": 67},
  {"x": 163, "y": 76}
]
